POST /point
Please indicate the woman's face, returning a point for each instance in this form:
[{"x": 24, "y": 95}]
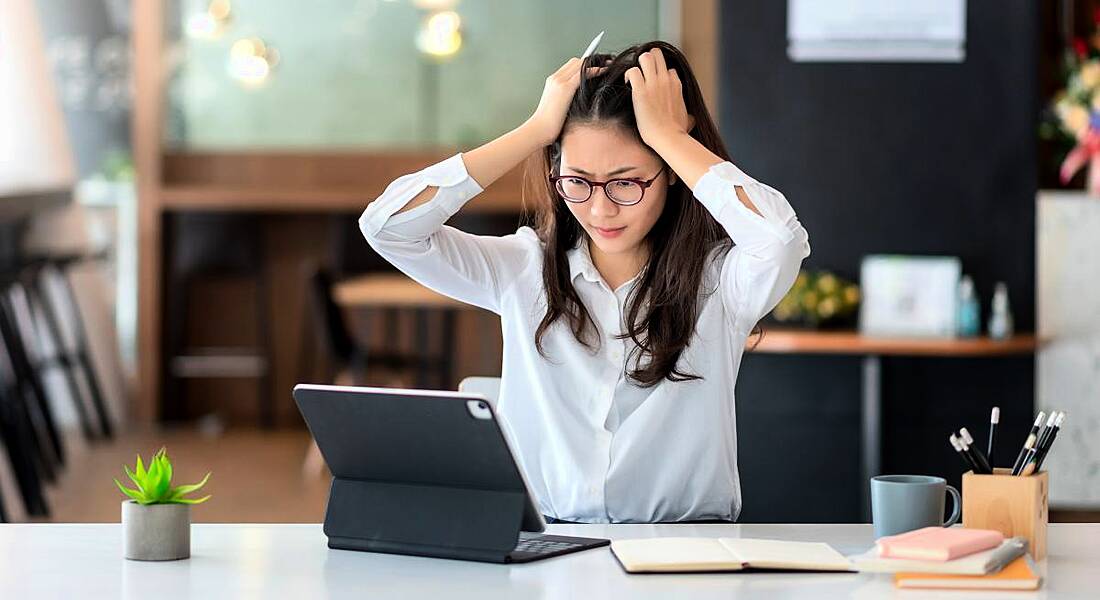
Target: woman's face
[{"x": 600, "y": 153}]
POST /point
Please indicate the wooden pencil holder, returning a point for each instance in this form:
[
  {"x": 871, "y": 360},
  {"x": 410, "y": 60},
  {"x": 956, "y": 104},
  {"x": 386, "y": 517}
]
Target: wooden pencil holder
[{"x": 1015, "y": 506}]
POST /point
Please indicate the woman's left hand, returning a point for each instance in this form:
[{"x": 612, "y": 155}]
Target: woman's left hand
[{"x": 658, "y": 98}]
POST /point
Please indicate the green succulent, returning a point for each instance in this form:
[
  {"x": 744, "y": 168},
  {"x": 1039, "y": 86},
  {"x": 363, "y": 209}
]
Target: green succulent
[{"x": 154, "y": 486}]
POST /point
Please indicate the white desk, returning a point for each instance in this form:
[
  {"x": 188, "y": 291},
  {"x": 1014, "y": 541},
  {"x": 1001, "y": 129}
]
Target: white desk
[{"x": 293, "y": 561}]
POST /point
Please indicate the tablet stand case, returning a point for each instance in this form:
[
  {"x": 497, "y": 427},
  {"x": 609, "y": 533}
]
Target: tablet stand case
[
  {"x": 423, "y": 520},
  {"x": 438, "y": 482}
]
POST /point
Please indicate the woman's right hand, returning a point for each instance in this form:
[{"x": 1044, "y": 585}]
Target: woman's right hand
[{"x": 549, "y": 117}]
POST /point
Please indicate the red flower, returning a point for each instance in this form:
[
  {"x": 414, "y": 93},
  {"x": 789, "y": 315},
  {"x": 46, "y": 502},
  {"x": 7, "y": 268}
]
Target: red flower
[{"x": 1080, "y": 48}]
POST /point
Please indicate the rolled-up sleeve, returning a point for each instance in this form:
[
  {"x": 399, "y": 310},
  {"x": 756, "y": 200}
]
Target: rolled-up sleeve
[
  {"x": 467, "y": 267},
  {"x": 770, "y": 246}
]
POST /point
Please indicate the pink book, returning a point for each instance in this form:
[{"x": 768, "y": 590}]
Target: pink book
[{"x": 938, "y": 543}]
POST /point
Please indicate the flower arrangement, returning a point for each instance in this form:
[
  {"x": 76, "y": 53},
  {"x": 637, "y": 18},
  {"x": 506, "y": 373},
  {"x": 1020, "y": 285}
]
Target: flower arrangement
[
  {"x": 1077, "y": 111},
  {"x": 818, "y": 299}
]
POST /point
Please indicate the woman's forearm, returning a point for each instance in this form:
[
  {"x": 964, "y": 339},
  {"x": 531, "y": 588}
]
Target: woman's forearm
[
  {"x": 691, "y": 160},
  {"x": 492, "y": 160}
]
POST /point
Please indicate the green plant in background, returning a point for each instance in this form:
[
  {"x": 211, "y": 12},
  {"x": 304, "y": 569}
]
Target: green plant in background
[
  {"x": 816, "y": 299},
  {"x": 117, "y": 166},
  {"x": 154, "y": 486}
]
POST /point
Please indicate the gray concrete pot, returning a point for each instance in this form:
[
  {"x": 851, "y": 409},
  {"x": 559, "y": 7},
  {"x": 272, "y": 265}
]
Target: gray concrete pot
[{"x": 156, "y": 531}]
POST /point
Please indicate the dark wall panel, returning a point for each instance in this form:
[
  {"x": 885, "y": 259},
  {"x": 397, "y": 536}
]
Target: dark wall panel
[{"x": 913, "y": 158}]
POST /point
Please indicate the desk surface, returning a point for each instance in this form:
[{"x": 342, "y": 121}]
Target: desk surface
[{"x": 293, "y": 561}]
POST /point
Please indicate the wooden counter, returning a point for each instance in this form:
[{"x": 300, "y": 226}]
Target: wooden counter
[{"x": 788, "y": 341}]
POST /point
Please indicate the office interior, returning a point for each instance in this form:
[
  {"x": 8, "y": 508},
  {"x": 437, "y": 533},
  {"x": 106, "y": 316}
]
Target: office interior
[{"x": 179, "y": 240}]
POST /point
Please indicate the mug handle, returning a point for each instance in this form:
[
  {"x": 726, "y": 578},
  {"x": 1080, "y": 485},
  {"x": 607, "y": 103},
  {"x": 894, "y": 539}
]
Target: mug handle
[{"x": 957, "y": 501}]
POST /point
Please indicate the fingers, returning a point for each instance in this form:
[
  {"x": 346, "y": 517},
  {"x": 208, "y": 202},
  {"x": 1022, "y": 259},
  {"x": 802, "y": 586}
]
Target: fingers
[
  {"x": 634, "y": 77},
  {"x": 648, "y": 66},
  {"x": 652, "y": 66},
  {"x": 659, "y": 62},
  {"x": 570, "y": 65}
]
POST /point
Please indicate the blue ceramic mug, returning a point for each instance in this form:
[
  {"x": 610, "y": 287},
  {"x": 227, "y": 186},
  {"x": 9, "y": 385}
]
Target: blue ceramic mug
[{"x": 901, "y": 503}]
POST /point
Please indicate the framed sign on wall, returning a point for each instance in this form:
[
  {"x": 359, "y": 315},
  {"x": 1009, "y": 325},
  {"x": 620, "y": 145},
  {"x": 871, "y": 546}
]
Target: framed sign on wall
[{"x": 909, "y": 295}]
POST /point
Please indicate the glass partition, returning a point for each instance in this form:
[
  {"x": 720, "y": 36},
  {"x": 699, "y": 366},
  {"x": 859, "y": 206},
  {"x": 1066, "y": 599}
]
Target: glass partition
[{"x": 373, "y": 74}]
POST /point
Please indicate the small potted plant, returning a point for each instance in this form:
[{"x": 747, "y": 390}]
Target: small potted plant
[{"x": 156, "y": 520}]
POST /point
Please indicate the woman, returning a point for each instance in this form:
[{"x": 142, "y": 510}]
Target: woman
[{"x": 626, "y": 313}]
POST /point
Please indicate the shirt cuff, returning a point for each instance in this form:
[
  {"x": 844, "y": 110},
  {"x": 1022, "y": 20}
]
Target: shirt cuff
[
  {"x": 449, "y": 173},
  {"x": 715, "y": 190}
]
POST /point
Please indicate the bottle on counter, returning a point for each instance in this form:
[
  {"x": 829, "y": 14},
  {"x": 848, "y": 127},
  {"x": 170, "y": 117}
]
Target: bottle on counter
[
  {"x": 1000, "y": 317},
  {"x": 968, "y": 315}
]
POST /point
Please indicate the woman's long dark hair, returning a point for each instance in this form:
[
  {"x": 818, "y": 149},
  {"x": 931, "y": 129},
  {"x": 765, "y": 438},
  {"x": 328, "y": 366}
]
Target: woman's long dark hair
[{"x": 664, "y": 305}]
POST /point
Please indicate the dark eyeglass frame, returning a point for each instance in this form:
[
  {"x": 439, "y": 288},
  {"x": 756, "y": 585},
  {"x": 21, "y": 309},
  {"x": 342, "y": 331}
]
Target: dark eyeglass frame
[{"x": 592, "y": 185}]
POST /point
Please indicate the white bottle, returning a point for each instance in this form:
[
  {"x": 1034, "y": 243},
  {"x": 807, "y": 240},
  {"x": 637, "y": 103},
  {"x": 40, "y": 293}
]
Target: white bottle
[{"x": 1000, "y": 317}]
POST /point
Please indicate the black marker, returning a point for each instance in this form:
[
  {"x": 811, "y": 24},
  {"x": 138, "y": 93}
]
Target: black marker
[
  {"x": 958, "y": 448},
  {"x": 1032, "y": 437},
  {"x": 994, "y": 418},
  {"x": 1046, "y": 431},
  {"x": 979, "y": 457},
  {"x": 1042, "y": 453},
  {"x": 969, "y": 453}
]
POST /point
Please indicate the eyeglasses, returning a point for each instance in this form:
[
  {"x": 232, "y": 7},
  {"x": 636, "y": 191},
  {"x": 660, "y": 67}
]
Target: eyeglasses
[{"x": 624, "y": 192}]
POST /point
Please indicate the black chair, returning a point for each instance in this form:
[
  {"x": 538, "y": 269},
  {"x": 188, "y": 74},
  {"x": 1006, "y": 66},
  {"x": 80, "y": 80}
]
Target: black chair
[
  {"x": 19, "y": 391},
  {"x": 210, "y": 247},
  {"x": 50, "y": 290},
  {"x": 351, "y": 360},
  {"x": 31, "y": 369}
]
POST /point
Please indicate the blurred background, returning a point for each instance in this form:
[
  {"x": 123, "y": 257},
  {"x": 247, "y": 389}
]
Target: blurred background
[{"x": 180, "y": 182}]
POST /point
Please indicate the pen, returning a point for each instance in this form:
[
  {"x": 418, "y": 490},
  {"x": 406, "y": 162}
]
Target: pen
[
  {"x": 979, "y": 457},
  {"x": 958, "y": 448},
  {"x": 1041, "y": 455},
  {"x": 994, "y": 418},
  {"x": 1046, "y": 431},
  {"x": 592, "y": 46},
  {"x": 1029, "y": 463},
  {"x": 1031, "y": 439}
]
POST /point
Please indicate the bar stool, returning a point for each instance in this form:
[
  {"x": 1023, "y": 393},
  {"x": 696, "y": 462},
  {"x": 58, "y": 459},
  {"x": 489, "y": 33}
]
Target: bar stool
[
  {"x": 17, "y": 432},
  {"x": 49, "y": 288},
  {"x": 207, "y": 248},
  {"x": 33, "y": 371}
]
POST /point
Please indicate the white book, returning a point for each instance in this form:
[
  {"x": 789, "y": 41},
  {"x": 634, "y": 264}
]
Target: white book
[{"x": 688, "y": 554}]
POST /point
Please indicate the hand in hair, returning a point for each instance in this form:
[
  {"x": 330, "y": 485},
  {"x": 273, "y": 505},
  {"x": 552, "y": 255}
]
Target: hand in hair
[
  {"x": 549, "y": 117},
  {"x": 658, "y": 97}
]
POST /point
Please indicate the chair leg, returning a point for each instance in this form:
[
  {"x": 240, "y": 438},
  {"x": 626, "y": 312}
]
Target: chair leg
[
  {"x": 35, "y": 300},
  {"x": 20, "y": 447},
  {"x": 28, "y": 397},
  {"x": 83, "y": 360}
]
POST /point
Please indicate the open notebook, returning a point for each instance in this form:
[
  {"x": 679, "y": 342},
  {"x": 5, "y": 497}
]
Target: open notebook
[{"x": 689, "y": 554}]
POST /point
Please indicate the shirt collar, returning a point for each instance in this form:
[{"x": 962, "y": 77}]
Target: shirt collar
[{"x": 580, "y": 262}]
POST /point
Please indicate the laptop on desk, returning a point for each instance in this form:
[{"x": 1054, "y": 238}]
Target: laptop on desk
[{"x": 426, "y": 473}]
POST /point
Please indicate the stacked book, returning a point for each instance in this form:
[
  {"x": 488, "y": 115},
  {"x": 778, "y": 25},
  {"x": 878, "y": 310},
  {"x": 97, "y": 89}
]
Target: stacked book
[{"x": 952, "y": 558}]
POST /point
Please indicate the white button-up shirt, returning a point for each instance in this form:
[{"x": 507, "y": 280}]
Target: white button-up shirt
[{"x": 594, "y": 446}]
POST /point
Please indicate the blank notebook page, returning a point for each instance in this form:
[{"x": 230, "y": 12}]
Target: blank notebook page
[
  {"x": 779, "y": 554},
  {"x": 675, "y": 554}
]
